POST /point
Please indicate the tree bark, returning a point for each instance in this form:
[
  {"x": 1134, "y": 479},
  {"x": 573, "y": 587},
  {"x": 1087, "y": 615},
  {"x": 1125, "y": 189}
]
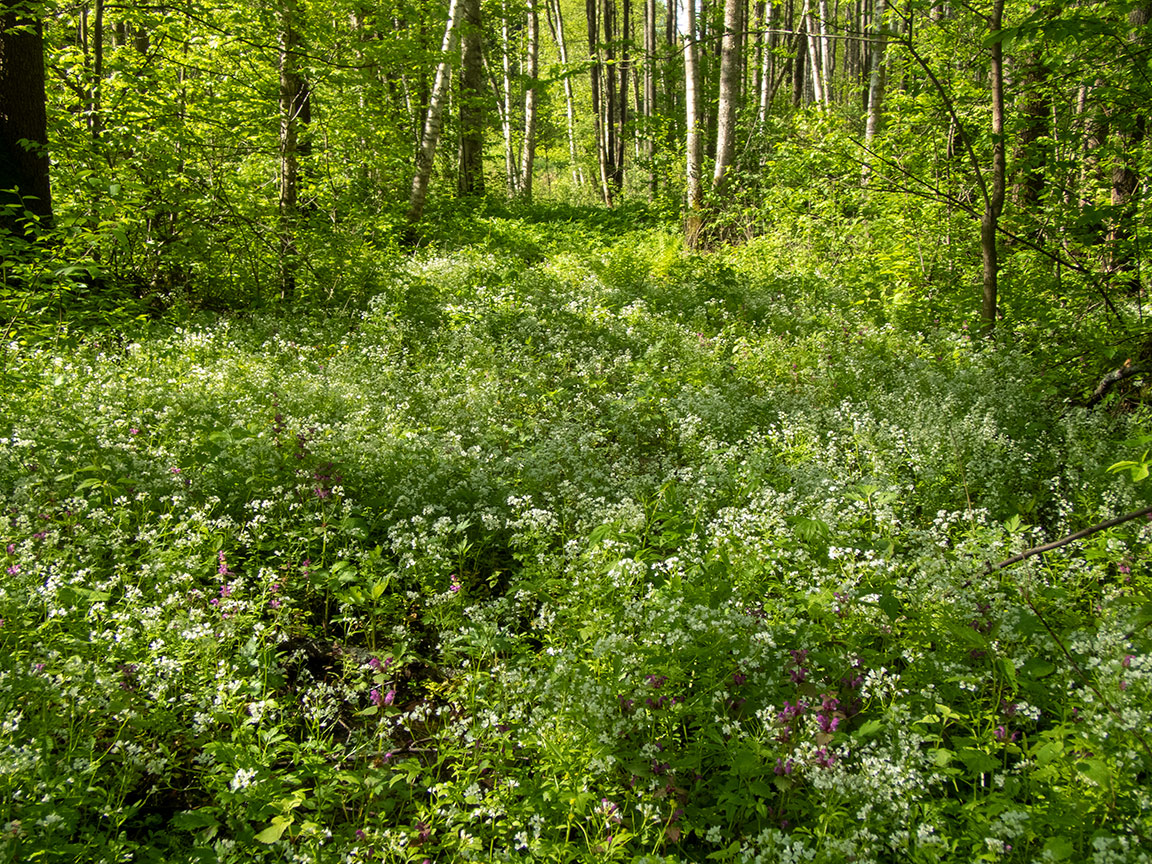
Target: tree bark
[
  {"x": 510, "y": 173},
  {"x": 472, "y": 97},
  {"x": 594, "y": 69},
  {"x": 294, "y": 108},
  {"x": 729, "y": 94},
  {"x": 994, "y": 204},
  {"x": 432, "y": 123},
  {"x": 798, "y": 55},
  {"x": 875, "y": 87},
  {"x": 528, "y": 145},
  {"x": 695, "y": 191},
  {"x": 650, "y": 92},
  {"x": 23, "y": 116},
  {"x": 1129, "y": 131},
  {"x": 557, "y": 28}
]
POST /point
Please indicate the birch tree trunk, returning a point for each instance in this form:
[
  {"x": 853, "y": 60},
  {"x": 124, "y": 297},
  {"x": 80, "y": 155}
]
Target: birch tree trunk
[
  {"x": 813, "y": 54},
  {"x": 557, "y": 28},
  {"x": 506, "y": 91},
  {"x": 875, "y": 87},
  {"x": 729, "y": 93},
  {"x": 827, "y": 59},
  {"x": 432, "y": 123},
  {"x": 528, "y": 146},
  {"x": 695, "y": 191}
]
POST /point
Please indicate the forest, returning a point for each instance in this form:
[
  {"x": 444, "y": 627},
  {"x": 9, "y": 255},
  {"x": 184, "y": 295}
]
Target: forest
[{"x": 545, "y": 431}]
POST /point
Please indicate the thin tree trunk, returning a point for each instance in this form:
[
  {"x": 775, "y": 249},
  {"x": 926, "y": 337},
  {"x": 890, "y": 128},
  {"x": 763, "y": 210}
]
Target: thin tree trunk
[
  {"x": 875, "y": 87},
  {"x": 291, "y": 91},
  {"x": 594, "y": 69},
  {"x": 95, "y": 120},
  {"x": 506, "y": 91},
  {"x": 765, "y": 86},
  {"x": 650, "y": 92},
  {"x": 625, "y": 77},
  {"x": 611, "y": 106},
  {"x": 827, "y": 60},
  {"x": 557, "y": 28},
  {"x": 995, "y": 203},
  {"x": 695, "y": 191},
  {"x": 528, "y": 146},
  {"x": 729, "y": 94},
  {"x": 472, "y": 97},
  {"x": 813, "y": 54},
  {"x": 798, "y": 54},
  {"x": 432, "y": 123},
  {"x": 1129, "y": 132}
]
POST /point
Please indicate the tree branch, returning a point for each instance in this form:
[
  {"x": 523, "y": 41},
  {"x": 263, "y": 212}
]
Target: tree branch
[{"x": 1064, "y": 541}]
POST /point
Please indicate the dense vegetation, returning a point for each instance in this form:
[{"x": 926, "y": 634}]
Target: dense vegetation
[
  {"x": 643, "y": 475},
  {"x": 568, "y": 545}
]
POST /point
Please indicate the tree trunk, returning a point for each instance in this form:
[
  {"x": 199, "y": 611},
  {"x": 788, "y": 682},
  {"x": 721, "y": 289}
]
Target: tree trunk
[
  {"x": 875, "y": 87},
  {"x": 291, "y": 105},
  {"x": 994, "y": 205},
  {"x": 650, "y": 92},
  {"x": 729, "y": 94},
  {"x": 1129, "y": 131},
  {"x": 472, "y": 98},
  {"x": 557, "y": 28},
  {"x": 1031, "y": 153},
  {"x": 431, "y": 136},
  {"x": 506, "y": 91},
  {"x": 827, "y": 59},
  {"x": 528, "y": 146},
  {"x": 22, "y": 117},
  {"x": 798, "y": 54},
  {"x": 594, "y": 65},
  {"x": 764, "y": 90},
  {"x": 695, "y": 191}
]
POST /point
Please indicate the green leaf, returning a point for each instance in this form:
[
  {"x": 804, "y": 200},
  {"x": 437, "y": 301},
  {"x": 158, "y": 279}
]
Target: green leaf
[
  {"x": 274, "y": 831},
  {"x": 1096, "y": 771},
  {"x": 1058, "y": 848},
  {"x": 191, "y": 820},
  {"x": 977, "y": 761}
]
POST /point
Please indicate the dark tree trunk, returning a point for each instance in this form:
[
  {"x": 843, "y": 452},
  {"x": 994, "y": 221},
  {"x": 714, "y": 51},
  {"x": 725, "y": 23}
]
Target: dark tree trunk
[
  {"x": 472, "y": 96},
  {"x": 22, "y": 117}
]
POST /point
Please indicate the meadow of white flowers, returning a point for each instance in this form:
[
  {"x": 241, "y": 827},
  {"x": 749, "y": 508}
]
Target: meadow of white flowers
[{"x": 625, "y": 555}]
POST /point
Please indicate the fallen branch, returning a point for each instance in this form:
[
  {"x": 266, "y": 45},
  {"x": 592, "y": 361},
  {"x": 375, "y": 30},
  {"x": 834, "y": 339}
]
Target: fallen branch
[
  {"x": 1115, "y": 377},
  {"x": 1064, "y": 541}
]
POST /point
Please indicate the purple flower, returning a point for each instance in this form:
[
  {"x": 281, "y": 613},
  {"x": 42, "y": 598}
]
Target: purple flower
[
  {"x": 1127, "y": 661},
  {"x": 11, "y": 548},
  {"x": 782, "y": 768},
  {"x": 375, "y": 695},
  {"x": 375, "y": 664},
  {"x": 133, "y": 431},
  {"x": 173, "y": 470},
  {"x": 825, "y": 758},
  {"x": 14, "y": 569},
  {"x": 738, "y": 678},
  {"x": 390, "y": 697}
]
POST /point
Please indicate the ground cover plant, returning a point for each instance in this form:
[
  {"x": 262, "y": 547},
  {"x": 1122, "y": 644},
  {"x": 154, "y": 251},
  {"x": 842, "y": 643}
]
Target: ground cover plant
[{"x": 599, "y": 552}]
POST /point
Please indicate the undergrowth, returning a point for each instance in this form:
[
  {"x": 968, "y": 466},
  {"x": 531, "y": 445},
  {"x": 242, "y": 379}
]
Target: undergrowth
[{"x": 595, "y": 551}]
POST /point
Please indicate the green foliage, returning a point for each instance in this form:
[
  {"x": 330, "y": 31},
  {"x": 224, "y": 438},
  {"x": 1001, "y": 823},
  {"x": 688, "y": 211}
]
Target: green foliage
[{"x": 587, "y": 550}]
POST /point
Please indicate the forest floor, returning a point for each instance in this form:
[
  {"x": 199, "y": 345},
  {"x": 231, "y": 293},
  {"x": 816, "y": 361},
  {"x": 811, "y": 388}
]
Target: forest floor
[{"x": 570, "y": 547}]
